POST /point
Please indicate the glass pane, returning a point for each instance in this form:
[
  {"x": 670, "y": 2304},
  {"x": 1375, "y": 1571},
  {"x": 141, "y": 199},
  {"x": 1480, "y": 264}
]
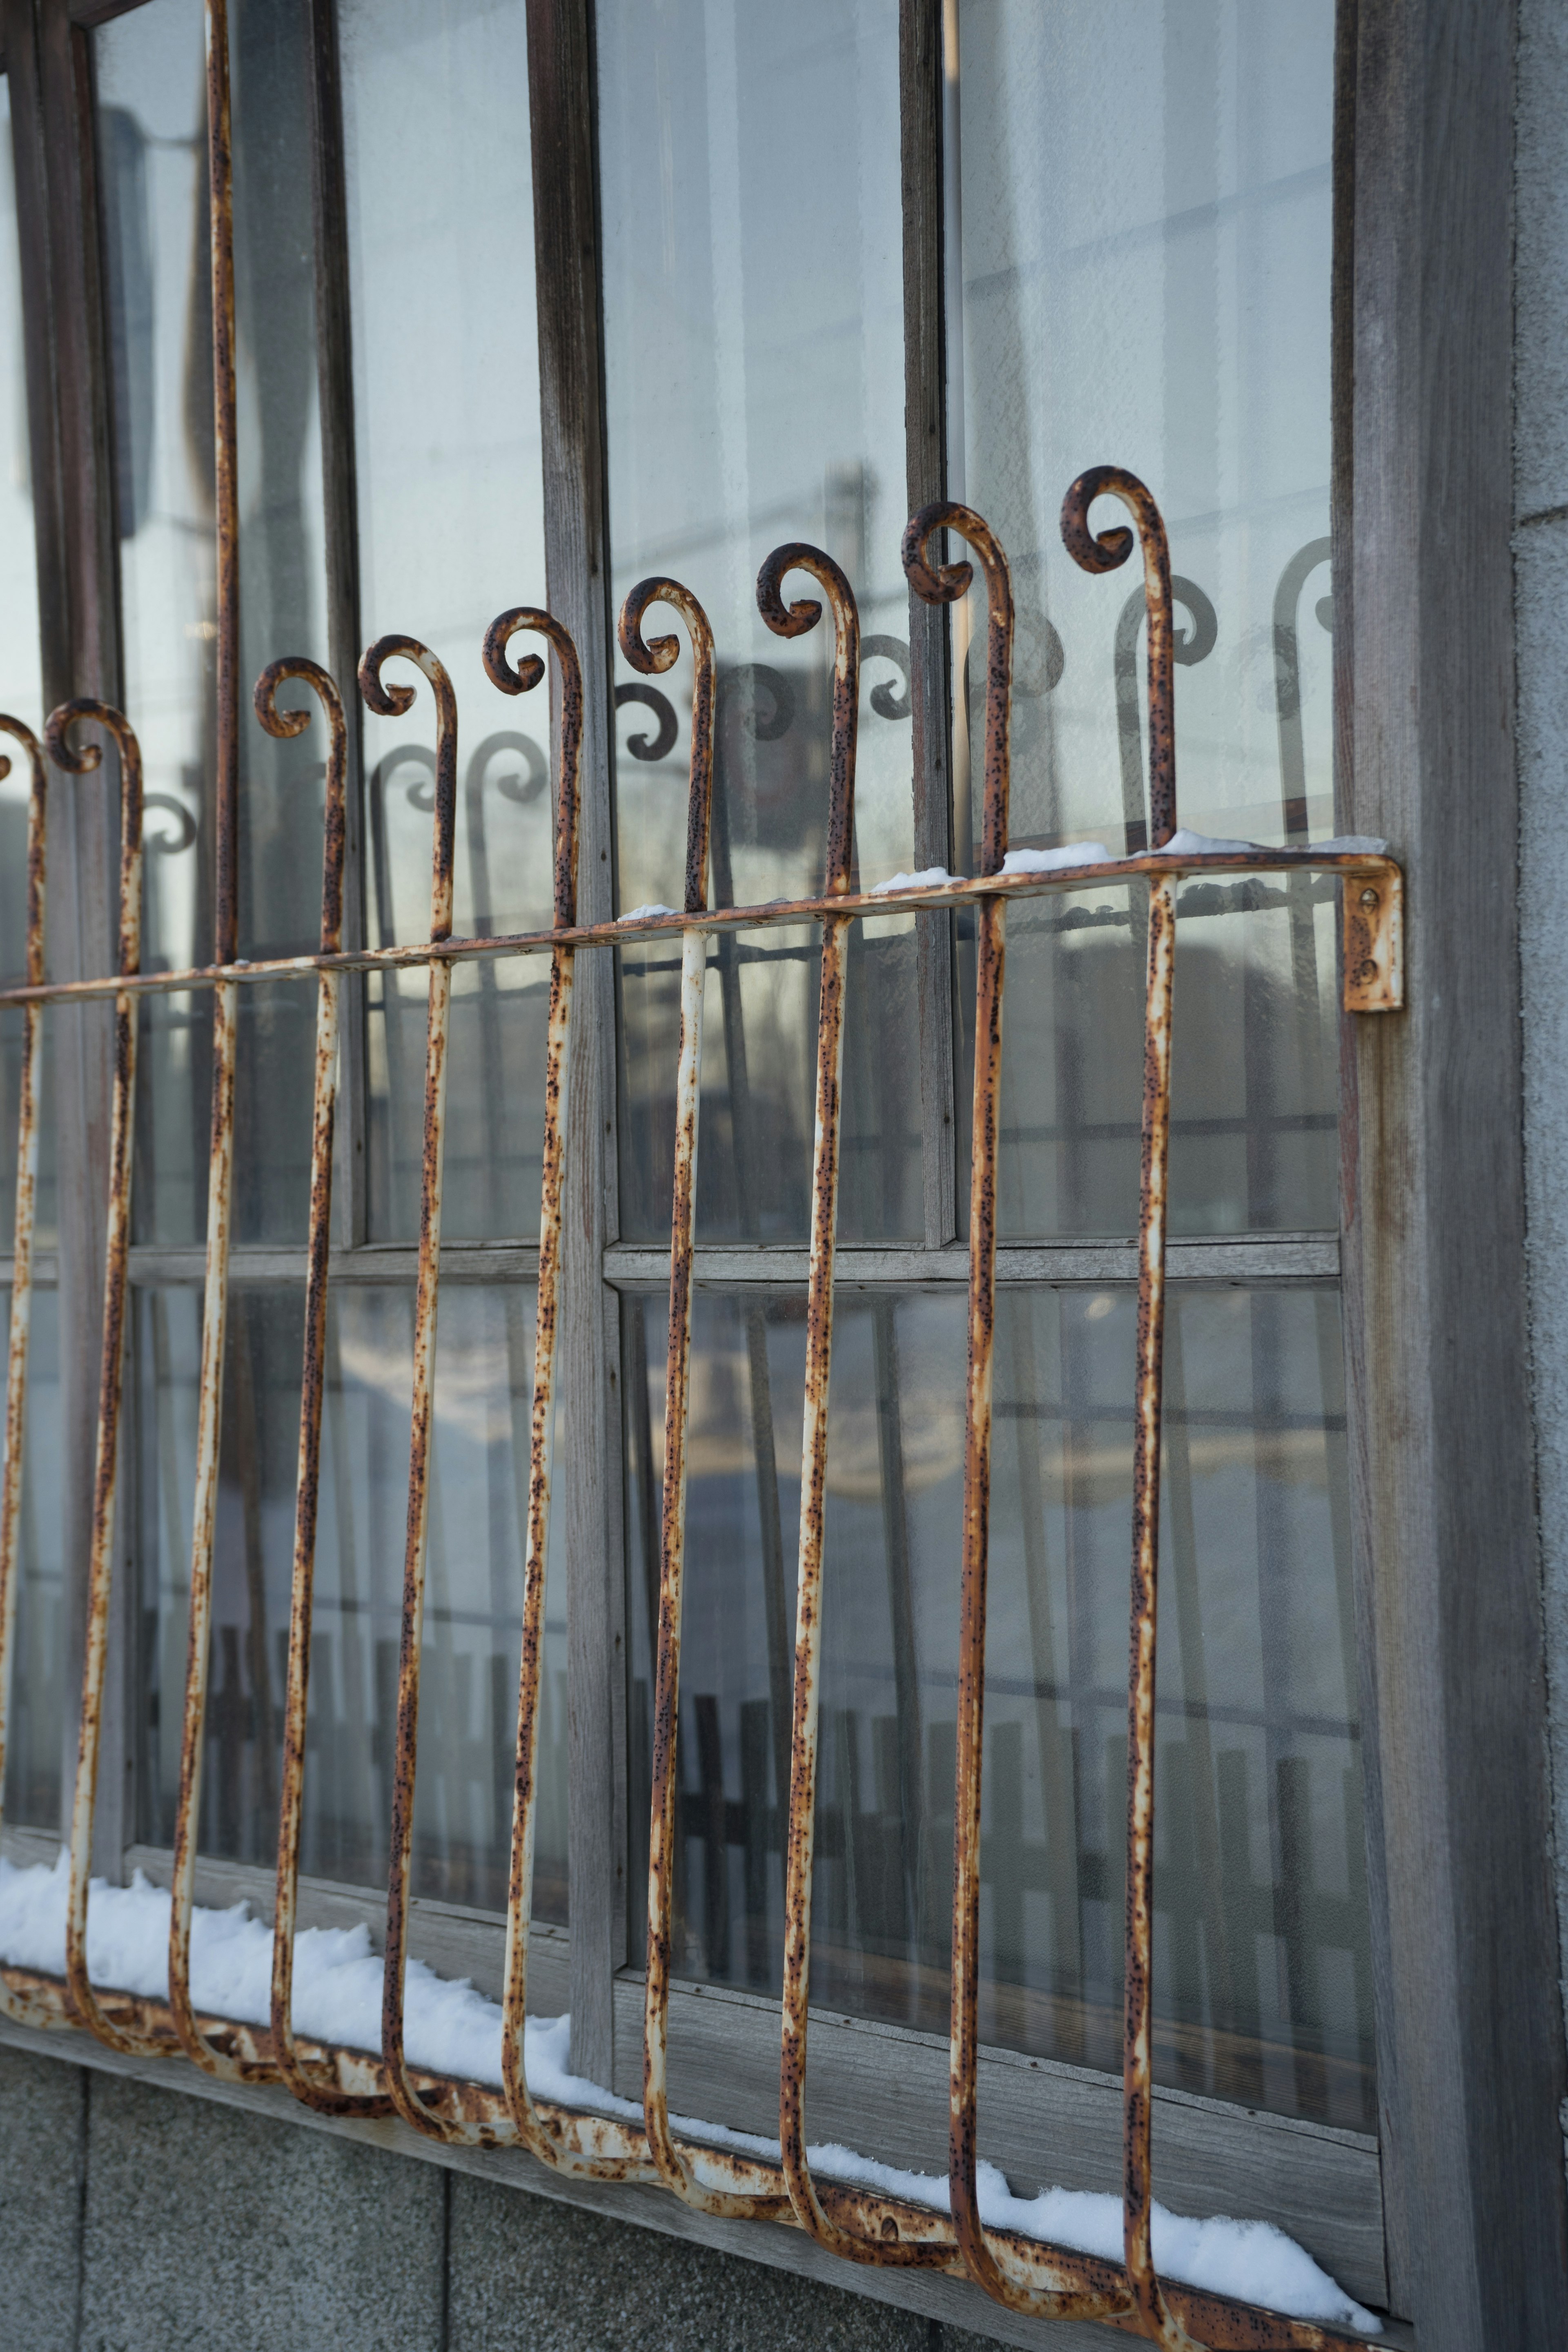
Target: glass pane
[
  {"x": 34, "y": 1748},
  {"x": 478, "y": 1493},
  {"x": 754, "y": 363},
  {"x": 21, "y": 694},
  {"x": 451, "y": 533},
  {"x": 1262, "y": 1983},
  {"x": 1143, "y": 278},
  {"x": 152, "y": 172}
]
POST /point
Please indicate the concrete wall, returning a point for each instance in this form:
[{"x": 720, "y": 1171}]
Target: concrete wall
[
  {"x": 1541, "y": 615},
  {"x": 136, "y": 2220}
]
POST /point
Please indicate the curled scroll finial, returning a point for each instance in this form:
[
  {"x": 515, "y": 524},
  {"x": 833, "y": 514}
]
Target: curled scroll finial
[
  {"x": 1105, "y": 552},
  {"x": 795, "y": 620},
  {"x": 522, "y": 680},
  {"x": 943, "y": 584},
  {"x": 653, "y": 658},
  {"x": 286, "y": 723},
  {"x": 389, "y": 701}
]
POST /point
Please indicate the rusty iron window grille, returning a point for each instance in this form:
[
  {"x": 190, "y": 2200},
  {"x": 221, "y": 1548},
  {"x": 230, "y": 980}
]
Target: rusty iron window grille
[{"x": 856, "y": 2223}]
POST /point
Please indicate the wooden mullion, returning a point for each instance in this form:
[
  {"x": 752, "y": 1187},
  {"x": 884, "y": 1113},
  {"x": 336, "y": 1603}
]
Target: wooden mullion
[
  {"x": 561, "y": 97},
  {"x": 78, "y": 582},
  {"x": 925, "y": 458}
]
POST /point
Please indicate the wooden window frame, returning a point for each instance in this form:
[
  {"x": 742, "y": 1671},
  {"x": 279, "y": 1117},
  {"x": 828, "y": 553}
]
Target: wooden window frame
[{"x": 1458, "y": 2209}]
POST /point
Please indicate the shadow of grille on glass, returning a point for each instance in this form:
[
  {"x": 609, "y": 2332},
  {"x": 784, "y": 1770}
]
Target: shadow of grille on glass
[
  {"x": 754, "y": 377},
  {"x": 479, "y": 1502},
  {"x": 1262, "y": 1985},
  {"x": 1207, "y": 248}
]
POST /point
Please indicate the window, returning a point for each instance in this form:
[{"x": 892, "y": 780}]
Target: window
[{"x": 533, "y": 302}]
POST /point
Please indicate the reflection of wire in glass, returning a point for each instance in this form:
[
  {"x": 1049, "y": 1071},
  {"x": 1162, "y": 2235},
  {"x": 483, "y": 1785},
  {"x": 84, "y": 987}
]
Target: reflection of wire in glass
[
  {"x": 886, "y": 699},
  {"x": 1287, "y": 680},
  {"x": 169, "y": 844},
  {"x": 644, "y": 747},
  {"x": 1189, "y": 647}
]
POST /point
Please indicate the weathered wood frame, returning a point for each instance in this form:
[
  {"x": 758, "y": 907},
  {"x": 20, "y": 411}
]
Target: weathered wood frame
[
  {"x": 1470, "y": 2043},
  {"x": 1466, "y": 2181}
]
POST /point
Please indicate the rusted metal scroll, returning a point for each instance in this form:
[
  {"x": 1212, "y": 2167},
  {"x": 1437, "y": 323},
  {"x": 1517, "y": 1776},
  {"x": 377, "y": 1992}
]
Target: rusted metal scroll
[
  {"x": 585, "y": 2145},
  {"x": 228, "y": 2065},
  {"x": 392, "y": 701},
  {"x": 1104, "y": 553},
  {"x": 652, "y": 659},
  {"x": 1033, "y": 2285},
  {"x": 22, "y": 2009},
  {"x": 316, "y": 2088},
  {"x": 794, "y": 621},
  {"x": 80, "y": 761}
]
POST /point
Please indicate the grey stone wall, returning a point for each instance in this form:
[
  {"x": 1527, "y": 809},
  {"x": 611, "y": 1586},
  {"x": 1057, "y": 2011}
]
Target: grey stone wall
[
  {"x": 1540, "y": 617},
  {"x": 137, "y": 2219}
]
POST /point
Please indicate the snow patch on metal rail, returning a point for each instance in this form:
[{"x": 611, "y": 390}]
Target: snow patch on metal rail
[{"x": 452, "y": 2029}]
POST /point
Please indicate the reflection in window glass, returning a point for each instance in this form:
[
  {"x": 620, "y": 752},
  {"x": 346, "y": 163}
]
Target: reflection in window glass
[
  {"x": 753, "y": 360},
  {"x": 37, "y": 1730},
  {"x": 1262, "y": 1990},
  {"x": 21, "y": 692},
  {"x": 441, "y": 198},
  {"x": 479, "y": 1494},
  {"x": 153, "y": 180},
  {"x": 1141, "y": 277}
]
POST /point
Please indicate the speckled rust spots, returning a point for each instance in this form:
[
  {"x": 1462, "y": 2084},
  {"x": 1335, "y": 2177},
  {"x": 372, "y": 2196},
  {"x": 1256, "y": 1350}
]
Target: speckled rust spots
[
  {"x": 840, "y": 2232},
  {"x": 389, "y": 700},
  {"x": 216, "y": 2058},
  {"x": 675, "y": 2169},
  {"x": 209, "y": 1425},
  {"x": 1374, "y": 943},
  {"x": 582, "y": 2147},
  {"x": 1021, "y": 2286},
  {"x": 80, "y": 761},
  {"x": 1152, "y": 2310},
  {"x": 1105, "y": 553},
  {"x": 317, "y": 2090}
]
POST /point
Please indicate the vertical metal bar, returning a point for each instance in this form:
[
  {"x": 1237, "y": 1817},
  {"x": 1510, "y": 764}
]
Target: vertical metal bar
[
  {"x": 100, "y": 1554},
  {"x": 225, "y": 1020},
  {"x": 209, "y": 1435},
  {"x": 1104, "y": 553},
  {"x": 1159, "y": 2322},
  {"x": 794, "y": 621},
  {"x": 651, "y": 660},
  {"x": 1021, "y": 2286},
  {"x": 335, "y": 375},
  {"x": 17, "y": 2005},
  {"x": 565, "y": 2150},
  {"x": 388, "y": 702},
  {"x": 316, "y": 2093}
]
